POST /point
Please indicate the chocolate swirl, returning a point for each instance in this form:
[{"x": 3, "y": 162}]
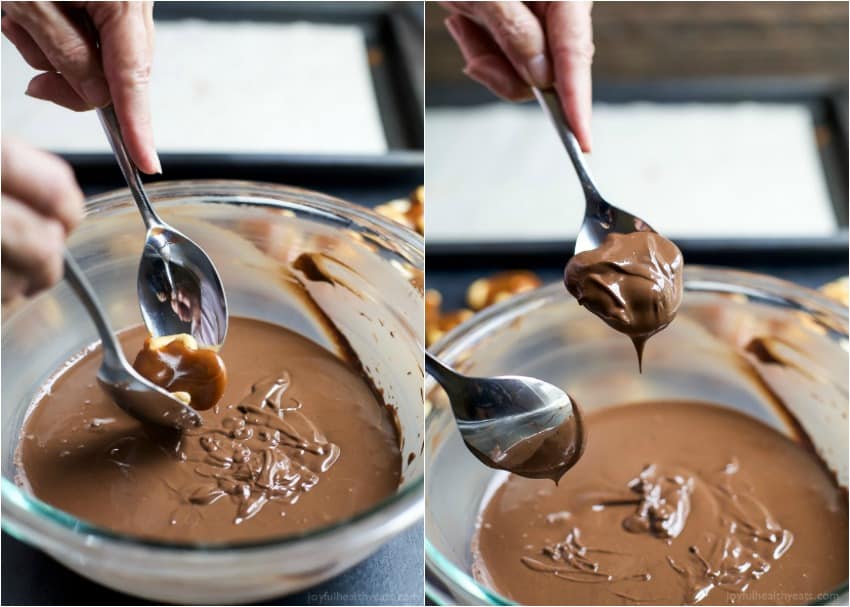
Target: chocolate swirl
[{"x": 265, "y": 449}]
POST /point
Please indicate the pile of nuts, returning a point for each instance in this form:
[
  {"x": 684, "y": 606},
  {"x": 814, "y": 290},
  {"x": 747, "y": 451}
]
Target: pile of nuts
[
  {"x": 409, "y": 212},
  {"x": 837, "y": 290},
  {"x": 485, "y": 292},
  {"x": 437, "y": 323},
  {"x": 480, "y": 294}
]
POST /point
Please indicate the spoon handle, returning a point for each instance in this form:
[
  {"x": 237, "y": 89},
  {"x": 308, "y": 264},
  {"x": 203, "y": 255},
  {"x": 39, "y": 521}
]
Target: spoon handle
[
  {"x": 110, "y": 124},
  {"x": 551, "y": 105},
  {"x": 448, "y": 378},
  {"x": 112, "y": 352}
]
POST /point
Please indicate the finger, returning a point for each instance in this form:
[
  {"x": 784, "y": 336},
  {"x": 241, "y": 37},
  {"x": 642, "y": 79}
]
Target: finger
[
  {"x": 518, "y": 32},
  {"x": 147, "y": 13},
  {"x": 570, "y": 39},
  {"x": 51, "y": 86},
  {"x": 43, "y": 181},
  {"x": 485, "y": 61},
  {"x": 25, "y": 44},
  {"x": 32, "y": 245},
  {"x": 127, "y": 57},
  {"x": 13, "y": 284},
  {"x": 70, "y": 52}
]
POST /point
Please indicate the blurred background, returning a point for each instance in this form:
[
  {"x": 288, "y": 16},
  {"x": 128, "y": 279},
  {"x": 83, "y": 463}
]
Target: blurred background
[
  {"x": 723, "y": 124},
  {"x": 323, "y": 95}
]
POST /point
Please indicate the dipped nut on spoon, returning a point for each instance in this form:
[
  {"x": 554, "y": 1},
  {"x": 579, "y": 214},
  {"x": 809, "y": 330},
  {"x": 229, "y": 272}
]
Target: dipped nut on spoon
[
  {"x": 179, "y": 290},
  {"x": 623, "y": 271},
  {"x": 196, "y": 375},
  {"x": 631, "y": 281}
]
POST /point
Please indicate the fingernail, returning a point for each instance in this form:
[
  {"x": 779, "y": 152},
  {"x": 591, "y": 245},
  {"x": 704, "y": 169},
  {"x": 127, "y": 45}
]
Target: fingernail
[
  {"x": 96, "y": 91},
  {"x": 452, "y": 26},
  {"x": 538, "y": 72},
  {"x": 31, "y": 91},
  {"x": 481, "y": 70},
  {"x": 158, "y": 164},
  {"x": 493, "y": 77}
]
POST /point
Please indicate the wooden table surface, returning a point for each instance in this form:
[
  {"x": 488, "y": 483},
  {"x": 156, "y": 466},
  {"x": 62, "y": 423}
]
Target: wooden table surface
[{"x": 675, "y": 40}]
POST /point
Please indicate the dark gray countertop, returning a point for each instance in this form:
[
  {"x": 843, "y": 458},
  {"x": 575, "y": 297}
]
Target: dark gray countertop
[{"x": 391, "y": 576}]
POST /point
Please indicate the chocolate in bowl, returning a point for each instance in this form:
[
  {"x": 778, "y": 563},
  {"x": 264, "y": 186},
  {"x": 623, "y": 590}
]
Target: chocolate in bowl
[
  {"x": 254, "y": 233},
  {"x": 697, "y": 358}
]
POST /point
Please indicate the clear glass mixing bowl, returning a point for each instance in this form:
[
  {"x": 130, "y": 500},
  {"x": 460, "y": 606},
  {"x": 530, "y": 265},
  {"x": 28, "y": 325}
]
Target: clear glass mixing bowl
[
  {"x": 251, "y": 231},
  {"x": 545, "y": 334}
]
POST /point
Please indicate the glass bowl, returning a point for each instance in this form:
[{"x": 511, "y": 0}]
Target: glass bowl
[
  {"x": 545, "y": 334},
  {"x": 252, "y": 231}
]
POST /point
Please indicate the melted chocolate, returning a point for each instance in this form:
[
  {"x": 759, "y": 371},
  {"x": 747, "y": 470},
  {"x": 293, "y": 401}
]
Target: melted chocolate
[
  {"x": 631, "y": 281},
  {"x": 547, "y": 454},
  {"x": 298, "y": 440},
  {"x": 674, "y": 502},
  {"x": 177, "y": 367},
  {"x": 663, "y": 502}
]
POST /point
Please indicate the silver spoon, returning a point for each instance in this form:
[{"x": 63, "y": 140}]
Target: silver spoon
[
  {"x": 178, "y": 286},
  {"x": 136, "y": 395},
  {"x": 600, "y": 217},
  {"x": 514, "y": 423}
]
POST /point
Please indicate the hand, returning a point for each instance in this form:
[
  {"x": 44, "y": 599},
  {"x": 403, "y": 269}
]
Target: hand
[
  {"x": 509, "y": 46},
  {"x": 56, "y": 38},
  {"x": 41, "y": 204}
]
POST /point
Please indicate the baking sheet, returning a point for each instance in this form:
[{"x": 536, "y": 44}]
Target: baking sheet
[
  {"x": 693, "y": 170},
  {"x": 229, "y": 87}
]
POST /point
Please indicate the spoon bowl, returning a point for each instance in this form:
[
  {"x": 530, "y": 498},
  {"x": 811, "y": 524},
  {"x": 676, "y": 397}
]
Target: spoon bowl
[
  {"x": 144, "y": 400},
  {"x": 179, "y": 289},
  {"x": 515, "y": 423},
  {"x": 601, "y": 219}
]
